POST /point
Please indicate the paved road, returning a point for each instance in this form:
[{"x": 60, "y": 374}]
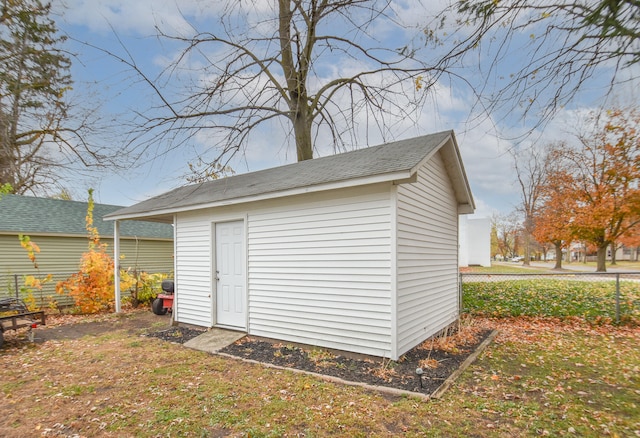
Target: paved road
[{"x": 576, "y": 266}]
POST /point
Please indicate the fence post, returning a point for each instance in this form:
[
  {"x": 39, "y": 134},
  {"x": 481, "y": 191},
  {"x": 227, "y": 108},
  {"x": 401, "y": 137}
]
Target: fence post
[
  {"x": 15, "y": 283},
  {"x": 459, "y": 297},
  {"x": 617, "y": 298}
]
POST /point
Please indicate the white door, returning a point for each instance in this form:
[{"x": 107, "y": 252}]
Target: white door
[{"x": 230, "y": 275}]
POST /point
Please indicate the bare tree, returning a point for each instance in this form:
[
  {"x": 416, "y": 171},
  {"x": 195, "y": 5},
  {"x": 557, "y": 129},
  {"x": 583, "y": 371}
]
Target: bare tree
[
  {"x": 317, "y": 67},
  {"x": 532, "y": 166},
  {"x": 540, "y": 53},
  {"x": 37, "y": 137},
  {"x": 507, "y": 230}
]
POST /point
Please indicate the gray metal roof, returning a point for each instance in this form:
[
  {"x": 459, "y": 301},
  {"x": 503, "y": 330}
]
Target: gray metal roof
[
  {"x": 388, "y": 159},
  {"x": 30, "y": 215}
]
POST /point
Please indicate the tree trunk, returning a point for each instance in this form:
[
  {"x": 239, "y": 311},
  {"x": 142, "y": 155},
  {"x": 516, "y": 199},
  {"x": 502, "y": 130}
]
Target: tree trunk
[
  {"x": 614, "y": 249},
  {"x": 527, "y": 240},
  {"x": 302, "y": 129},
  {"x": 296, "y": 71},
  {"x": 602, "y": 258},
  {"x": 558, "y": 246},
  {"x": 527, "y": 249}
]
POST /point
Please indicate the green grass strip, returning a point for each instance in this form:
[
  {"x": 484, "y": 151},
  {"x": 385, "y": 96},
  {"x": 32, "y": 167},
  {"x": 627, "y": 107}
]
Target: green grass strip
[{"x": 595, "y": 301}]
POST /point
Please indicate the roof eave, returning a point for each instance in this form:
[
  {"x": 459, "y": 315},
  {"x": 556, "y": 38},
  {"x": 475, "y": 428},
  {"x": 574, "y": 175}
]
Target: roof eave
[
  {"x": 466, "y": 209},
  {"x": 398, "y": 177}
]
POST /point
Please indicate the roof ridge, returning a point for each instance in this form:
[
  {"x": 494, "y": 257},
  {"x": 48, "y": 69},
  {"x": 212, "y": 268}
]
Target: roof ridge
[
  {"x": 385, "y": 162},
  {"x": 52, "y": 200},
  {"x": 340, "y": 155}
]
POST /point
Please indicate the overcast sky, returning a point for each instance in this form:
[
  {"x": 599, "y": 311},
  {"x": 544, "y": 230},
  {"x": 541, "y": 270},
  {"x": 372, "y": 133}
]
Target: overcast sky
[{"x": 129, "y": 28}]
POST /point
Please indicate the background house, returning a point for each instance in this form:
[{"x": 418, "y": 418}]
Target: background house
[
  {"x": 355, "y": 251},
  {"x": 58, "y": 228},
  {"x": 475, "y": 241}
]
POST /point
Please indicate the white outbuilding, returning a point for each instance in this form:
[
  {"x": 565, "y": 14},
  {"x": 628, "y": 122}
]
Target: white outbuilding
[
  {"x": 475, "y": 241},
  {"x": 356, "y": 251}
]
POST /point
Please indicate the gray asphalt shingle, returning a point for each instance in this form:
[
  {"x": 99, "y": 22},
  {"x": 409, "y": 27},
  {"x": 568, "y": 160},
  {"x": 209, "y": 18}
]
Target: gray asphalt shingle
[
  {"x": 30, "y": 215},
  {"x": 385, "y": 159}
]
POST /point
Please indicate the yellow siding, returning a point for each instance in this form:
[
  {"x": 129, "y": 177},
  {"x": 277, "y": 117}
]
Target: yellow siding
[{"x": 60, "y": 256}]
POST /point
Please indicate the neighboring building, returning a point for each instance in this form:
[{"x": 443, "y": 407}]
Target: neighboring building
[
  {"x": 626, "y": 253},
  {"x": 475, "y": 241},
  {"x": 355, "y": 251},
  {"x": 59, "y": 228},
  {"x": 579, "y": 252}
]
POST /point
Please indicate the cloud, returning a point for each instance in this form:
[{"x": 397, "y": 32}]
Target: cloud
[
  {"x": 138, "y": 17},
  {"x": 483, "y": 209},
  {"x": 144, "y": 17}
]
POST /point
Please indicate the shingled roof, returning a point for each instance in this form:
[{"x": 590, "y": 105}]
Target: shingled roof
[
  {"x": 44, "y": 216},
  {"x": 394, "y": 161}
]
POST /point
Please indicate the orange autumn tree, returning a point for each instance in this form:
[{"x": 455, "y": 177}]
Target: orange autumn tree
[
  {"x": 548, "y": 228},
  {"x": 601, "y": 177},
  {"x": 92, "y": 288},
  {"x": 551, "y": 224},
  {"x": 551, "y": 218}
]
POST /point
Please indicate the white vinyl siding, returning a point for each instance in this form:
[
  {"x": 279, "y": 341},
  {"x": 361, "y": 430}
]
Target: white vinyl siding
[
  {"x": 319, "y": 271},
  {"x": 193, "y": 270},
  {"x": 427, "y": 251},
  {"x": 369, "y": 270}
]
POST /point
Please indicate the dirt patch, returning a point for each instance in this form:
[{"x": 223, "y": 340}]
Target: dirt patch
[
  {"x": 438, "y": 359},
  {"x": 61, "y": 327}
]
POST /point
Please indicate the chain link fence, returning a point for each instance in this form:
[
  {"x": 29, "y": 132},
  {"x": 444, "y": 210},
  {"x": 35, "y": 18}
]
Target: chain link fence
[
  {"x": 43, "y": 297},
  {"x": 612, "y": 297}
]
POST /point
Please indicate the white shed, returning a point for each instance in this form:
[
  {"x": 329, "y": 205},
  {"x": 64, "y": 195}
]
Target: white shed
[{"x": 356, "y": 251}]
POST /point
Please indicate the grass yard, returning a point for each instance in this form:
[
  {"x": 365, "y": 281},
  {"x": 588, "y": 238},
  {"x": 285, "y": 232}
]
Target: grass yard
[
  {"x": 593, "y": 301},
  {"x": 623, "y": 265},
  {"x": 540, "y": 378}
]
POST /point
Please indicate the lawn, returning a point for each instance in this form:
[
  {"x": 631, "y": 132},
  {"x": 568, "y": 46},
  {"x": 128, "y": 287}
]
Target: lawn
[
  {"x": 593, "y": 301},
  {"x": 624, "y": 265},
  {"x": 541, "y": 377}
]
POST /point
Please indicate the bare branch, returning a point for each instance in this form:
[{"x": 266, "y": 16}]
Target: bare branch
[
  {"x": 290, "y": 65},
  {"x": 560, "y": 44}
]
